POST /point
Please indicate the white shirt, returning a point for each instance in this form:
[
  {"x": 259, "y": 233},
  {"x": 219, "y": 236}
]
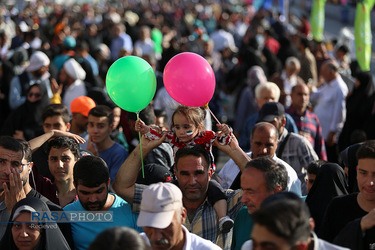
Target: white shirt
[
  {"x": 330, "y": 106},
  {"x": 230, "y": 170},
  {"x": 192, "y": 241},
  {"x": 75, "y": 90}
]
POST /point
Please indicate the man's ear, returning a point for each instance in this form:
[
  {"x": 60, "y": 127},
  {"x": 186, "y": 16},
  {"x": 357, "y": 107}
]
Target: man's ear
[
  {"x": 312, "y": 224},
  {"x": 301, "y": 246},
  {"x": 283, "y": 122},
  {"x": 183, "y": 215},
  {"x": 210, "y": 172},
  {"x": 68, "y": 127}
]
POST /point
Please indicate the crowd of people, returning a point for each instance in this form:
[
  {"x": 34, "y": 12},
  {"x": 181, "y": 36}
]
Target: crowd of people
[{"x": 301, "y": 172}]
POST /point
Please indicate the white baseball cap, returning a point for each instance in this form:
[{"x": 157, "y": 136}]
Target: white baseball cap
[{"x": 158, "y": 205}]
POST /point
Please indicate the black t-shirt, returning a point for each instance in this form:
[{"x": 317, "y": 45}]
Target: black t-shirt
[{"x": 340, "y": 212}]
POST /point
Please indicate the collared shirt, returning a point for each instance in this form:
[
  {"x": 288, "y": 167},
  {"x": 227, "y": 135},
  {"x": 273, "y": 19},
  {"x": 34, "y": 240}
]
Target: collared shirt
[
  {"x": 330, "y": 106},
  {"x": 204, "y": 223},
  {"x": 192, "y": 241},
  {"x": 308, "y": 122},
  {"x": 299, "y": 153},
  {"x": 230, "y": 171}
]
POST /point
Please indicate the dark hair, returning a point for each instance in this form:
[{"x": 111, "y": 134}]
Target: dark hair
[
  {"x": 56, "y": 110},
  {"x": 65, "y": 142},
  {"x": 305, "y": 42},
  {"x": 314, "y": 166},
  {"x": 197, "y": 150},
  {"x": 147, "y": 115},
  {"x": 90, "y": 171},
  {"x": 26, "y": 150},
  {"x": 286, "y": 218},
  {"x": 118, "y": 238},
  {"x": 343, "y": 48},
  {"x": 102, "y": 110},
  {"x": 10, "y": 143},
  {"x": 366, "y": 150},
  {"x": 274, "y": 173}
]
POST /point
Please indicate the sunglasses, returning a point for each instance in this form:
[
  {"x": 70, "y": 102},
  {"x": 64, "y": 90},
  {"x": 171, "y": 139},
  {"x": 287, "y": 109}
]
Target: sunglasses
[{"x": 37, "y": 95}]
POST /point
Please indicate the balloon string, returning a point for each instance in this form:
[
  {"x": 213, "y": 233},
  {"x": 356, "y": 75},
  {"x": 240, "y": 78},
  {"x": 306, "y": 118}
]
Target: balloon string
[
  {"x": 140, "y": 145},
  {"x": 238, "y": 147}
]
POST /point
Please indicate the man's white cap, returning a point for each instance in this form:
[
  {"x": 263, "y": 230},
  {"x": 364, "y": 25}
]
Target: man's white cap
[
  {"x": 158, "y": 205},
  {"x": 74, "y": 69},
  {"x": 37, "y": 60}
]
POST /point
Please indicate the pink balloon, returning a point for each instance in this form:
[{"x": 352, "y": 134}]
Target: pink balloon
[{"x": 189, "y": 79}]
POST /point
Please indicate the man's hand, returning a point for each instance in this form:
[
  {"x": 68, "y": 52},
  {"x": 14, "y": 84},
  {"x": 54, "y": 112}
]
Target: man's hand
[
  {"x": 148, "y": 145},
  {"x": 15, "y": 192},
  {"x": 91, "y": 146},
  {"x": 55, "y": 87},
  {"x": 368, "y": 221},
  {"x": 59, "y": 133}
]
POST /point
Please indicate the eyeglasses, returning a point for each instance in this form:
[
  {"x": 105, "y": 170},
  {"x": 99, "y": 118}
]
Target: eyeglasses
[
  {"x": 37, "y": 95},
  {"x": 14, "y": 164}
]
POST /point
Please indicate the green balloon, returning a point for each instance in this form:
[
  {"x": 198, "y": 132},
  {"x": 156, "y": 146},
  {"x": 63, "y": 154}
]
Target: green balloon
[{"x": 131, "y": 83}]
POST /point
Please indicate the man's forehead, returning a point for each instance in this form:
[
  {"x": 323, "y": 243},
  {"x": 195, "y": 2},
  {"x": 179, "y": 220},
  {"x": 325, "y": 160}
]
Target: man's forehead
[
  {"x": 367, "y": 164},
  {"x": 10, "y": 153},
  {"x": 192, "y": 162},
  {"x": 97, "y": 119},
  {"x": 82, "y": 187}
]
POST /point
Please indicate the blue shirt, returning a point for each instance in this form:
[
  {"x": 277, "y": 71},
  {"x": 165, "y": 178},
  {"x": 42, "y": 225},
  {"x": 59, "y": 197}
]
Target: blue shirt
[
  {"x": 114, "y": 157},
  {"x": 85, "y": 232}
]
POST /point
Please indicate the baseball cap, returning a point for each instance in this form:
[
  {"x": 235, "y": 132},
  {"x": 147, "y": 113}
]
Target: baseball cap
[
  {"x": 82, "y": 105},
  {"x": 158, "y": 205},
  {"x": 270, "y": 111},
  {"x": 37, "y": 60}
]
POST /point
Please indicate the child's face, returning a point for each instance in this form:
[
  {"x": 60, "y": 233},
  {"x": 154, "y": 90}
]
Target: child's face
[{"x": 185, "y": 130}]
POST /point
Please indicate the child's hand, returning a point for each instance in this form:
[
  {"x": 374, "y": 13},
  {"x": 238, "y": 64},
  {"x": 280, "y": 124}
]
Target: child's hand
[
  {"x": 225, "y": 128},
  {"x": 140, "y": 126}
]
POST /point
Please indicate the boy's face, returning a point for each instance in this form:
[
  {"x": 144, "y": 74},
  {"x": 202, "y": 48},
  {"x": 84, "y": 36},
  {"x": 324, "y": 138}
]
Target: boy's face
[
  {"x": 99, "y": 128},
  {"x": 55, "y": 122},
  {"x": 61, "y": 163}
]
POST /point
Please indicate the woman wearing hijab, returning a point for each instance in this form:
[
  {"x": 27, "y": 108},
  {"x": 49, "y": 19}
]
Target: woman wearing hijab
[
  {"x": 26, "y": 122},
  {"x": 359, "y": 105},
  {"x": 329, "y": 183},
  {"x": 22, "y": 233}
]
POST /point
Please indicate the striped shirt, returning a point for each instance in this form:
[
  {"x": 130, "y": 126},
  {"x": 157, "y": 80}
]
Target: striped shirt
[{"x": 309, "y": 123}]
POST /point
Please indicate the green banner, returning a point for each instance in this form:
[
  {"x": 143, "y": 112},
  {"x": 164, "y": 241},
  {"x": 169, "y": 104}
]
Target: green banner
[
  {"x": 317, "y": 19},
  {"x": 362, "y": 34}
]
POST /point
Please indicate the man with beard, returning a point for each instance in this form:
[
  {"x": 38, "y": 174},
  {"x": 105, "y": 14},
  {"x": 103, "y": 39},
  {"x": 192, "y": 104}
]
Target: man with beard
[
  {"x": 91, "y": 180},
  {"x": 292, "y": 148},
  {"x": 15, "y": 174},
  {"x": 36, "y": 72},
  {"x": 162, "y": 216}
]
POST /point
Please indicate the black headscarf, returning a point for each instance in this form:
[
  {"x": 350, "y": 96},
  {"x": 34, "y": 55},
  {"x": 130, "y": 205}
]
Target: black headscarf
[
  {"x": 329, "y": 183},
  {"x": 349, "y": 159},
  {"x": 51, "y": 237},
  {"x": 27, "y": 117}
]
